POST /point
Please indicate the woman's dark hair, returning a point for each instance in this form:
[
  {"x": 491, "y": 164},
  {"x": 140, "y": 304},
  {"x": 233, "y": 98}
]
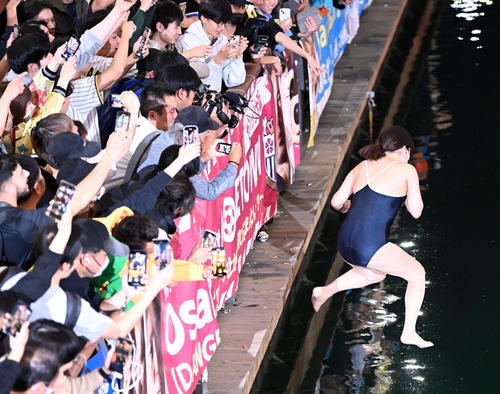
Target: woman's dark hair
[
  {"x": 47, "y": 128},
  {"x": 136, "y": 231},
  {"x": 31, "y": 9},
  {"x": 170, "y": 154},
  {"x": 167, "y": 12},
  {"x": 45, "y": 236},
  {"x": 177, "y": 198},
  {"x": 216, "y": 10},
  {"x": 8, "y": 301},
  {"x": 389, "y": 140}
]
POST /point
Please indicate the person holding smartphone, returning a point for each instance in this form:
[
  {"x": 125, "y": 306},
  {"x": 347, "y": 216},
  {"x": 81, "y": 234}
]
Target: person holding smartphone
[{"x": 225, "y": 63}]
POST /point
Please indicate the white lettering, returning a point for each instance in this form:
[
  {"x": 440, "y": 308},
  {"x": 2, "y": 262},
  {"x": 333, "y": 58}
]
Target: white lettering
[
  {"x": 172, "y": 320},
  {"x": 187, "y": 313},
  {"x": 183, "y": 371}
]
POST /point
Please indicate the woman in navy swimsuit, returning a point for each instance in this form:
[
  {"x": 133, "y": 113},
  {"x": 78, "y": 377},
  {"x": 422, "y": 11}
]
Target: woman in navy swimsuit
[{"x": 379, "y": 185}]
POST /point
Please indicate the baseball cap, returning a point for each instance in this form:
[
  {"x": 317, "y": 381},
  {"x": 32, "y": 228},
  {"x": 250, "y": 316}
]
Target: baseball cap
[
  {"x": 239, "y": 2},
  {"x": 196, "y": 116},
  {"x": 68, "y": 145},
  {"x": 97, "y": 238},
  {"x": 74, "y": 170}
]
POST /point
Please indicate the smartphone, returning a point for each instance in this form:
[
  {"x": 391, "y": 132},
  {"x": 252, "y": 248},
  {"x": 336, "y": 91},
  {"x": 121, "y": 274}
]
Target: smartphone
[
  {"x": 71, "y": 47},
  {"x": 122, "y": 352},
  {"x": 219, "y": 262},
  {"x": 234, "y": 41},
  {"x": 144, "y": 41},
  {"x": 223, "y": 147},
  {"x": 122, "y": 120},
  {"x": 209, "y": 239},
  {"x": 19, "y": 315},
  {"x": 190, "y": 134},
  {"x": 261, "y": 43},
  {"x": 214, "y": 40},
  {"x": 284, "y": 14},
  {"x": 60, "y": 202},
  {"x": 137, "y": 268},
  {"x": 163, "y": 252},
  {"x": 116, "y": 101},
  {"x": 182, "y": 6}
]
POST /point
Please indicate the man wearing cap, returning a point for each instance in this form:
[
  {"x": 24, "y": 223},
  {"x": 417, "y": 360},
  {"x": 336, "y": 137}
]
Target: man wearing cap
[
  {"x": 195, "y": 115},
  {"x": 18, "y": 226}
]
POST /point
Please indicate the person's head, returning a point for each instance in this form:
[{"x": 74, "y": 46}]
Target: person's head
[
  {"x": 214, "y": 14},
  {"x": 29, "y": 52},
  {"x": 21, "y": 107},
  {"x": 36, "y": 182},
  {"x": 110, "y": 47},
  {"x": 69, "y": 145},
  {"x": 390, "y": 140},
  {"x": 170, "y": 154},
  {"x": 40, "y": 11},
  {"x": 198, "y": 117},
  {"x": 50, "y": 349},
  {"x": 266, "y": 5},
  {"x": 13, "y": 179},
  {"x": 167, "y": 22},
  {"x": 238, "y": 6},
  {"x": 180, "y": 81},
  {"x": 46, "y": 129},
  {"x": 158, "y": 107},
  {"x": 33, "y": 27},
  {"x": 177, "y": 198},
  {"x": 137, "y": 232},
  {"x": 146, "y": 66},
  {"x": 8, "y": 301}
]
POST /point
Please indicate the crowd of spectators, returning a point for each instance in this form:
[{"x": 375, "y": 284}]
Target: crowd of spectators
[{"x": 57, "y": 122}]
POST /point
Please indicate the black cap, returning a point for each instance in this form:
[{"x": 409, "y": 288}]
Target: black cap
[
  {"x": 68, "y": 145},
  {"x": 196, "y": 116},
  {"x": 74, "y": 170},
  {"x": 97, "y": 238},
  {"x": 239, "y": 2},
  {"x": 336, "y": 4}
]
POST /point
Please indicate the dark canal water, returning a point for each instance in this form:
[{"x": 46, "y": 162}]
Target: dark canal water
[{"x": 455, "y": 118}]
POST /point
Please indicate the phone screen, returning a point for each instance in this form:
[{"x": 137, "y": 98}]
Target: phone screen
[
  {"x": 122, "y": 120},
  {"x": 209, "y": 239},
  {"x": 234, "y": 41},
  {"x": 261, "y": 42},
  {"x": 120, "y": 356},
  {"x": 219, "y": 262},
  {"x": 71, "y": 47},
  {"x": 63, "y": 196},
  {"x": 144, "y": 42},
  {"x": 163, "y": 253},
  {"x": 190, "y": 134},
  {"x": 19, "y": 315},
  {"x": 137, "y": 268},
  {"x": 116, "y": 101},
  {"x": 223, "y": 147}
]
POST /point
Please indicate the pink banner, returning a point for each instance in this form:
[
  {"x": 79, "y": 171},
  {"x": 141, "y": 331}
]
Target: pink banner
[{"x": 189, "y": 312}]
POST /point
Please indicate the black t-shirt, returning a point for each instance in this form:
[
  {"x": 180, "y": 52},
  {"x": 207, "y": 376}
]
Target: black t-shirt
[{"x": 82, "y": 287}]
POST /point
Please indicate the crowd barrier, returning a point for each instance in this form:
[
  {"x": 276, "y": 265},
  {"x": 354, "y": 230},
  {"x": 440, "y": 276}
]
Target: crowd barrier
[{"x": 179, "y": 333}]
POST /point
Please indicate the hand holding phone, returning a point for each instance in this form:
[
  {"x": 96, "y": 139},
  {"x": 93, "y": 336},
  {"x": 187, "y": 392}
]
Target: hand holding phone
[
  {"x": 285, "y": 14},
  {"x": 62, "y": 198},
  {"x": 261, "y": 43},
  {"x": 19, "y": 315},
  {"x": 71, "y": 47},
  {"x": 209, "y": 239},
  {"x": 137, "y": 268},
  {"x": 223, "y": 147},
  {"x": 234, "y": 41},
  {"x": 144, "y": 42}
]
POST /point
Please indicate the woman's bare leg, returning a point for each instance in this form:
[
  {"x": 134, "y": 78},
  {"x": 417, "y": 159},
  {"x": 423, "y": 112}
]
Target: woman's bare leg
[
  {"x": 393, "y": 260},
  {"x": 355, "y": 278}
]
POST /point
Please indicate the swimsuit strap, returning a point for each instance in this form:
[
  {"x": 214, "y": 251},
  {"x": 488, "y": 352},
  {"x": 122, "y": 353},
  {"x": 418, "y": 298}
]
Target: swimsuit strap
[{"x": 378, "y": 173}]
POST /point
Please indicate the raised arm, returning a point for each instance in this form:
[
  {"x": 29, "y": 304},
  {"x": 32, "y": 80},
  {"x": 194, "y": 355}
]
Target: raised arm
[
  {"x": 414, "y": 202},
  {"x": 108, "y": 25}
]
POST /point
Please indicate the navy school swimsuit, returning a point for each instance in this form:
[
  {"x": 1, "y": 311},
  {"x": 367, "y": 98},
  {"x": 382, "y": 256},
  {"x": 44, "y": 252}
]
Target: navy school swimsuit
[{"x": 366, "y": 228}]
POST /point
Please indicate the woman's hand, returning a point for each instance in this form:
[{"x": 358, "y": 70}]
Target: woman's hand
[
  {"x": 259, "y": 55},
  {"x": 128, "y": 29},
  {"x": 312, "y": 27},
  {"x": 199, "y": 255},
  {"x": 345, "y": 208},
  {"x": 286, "y": 24},
  {"x": 68, "y": 71},
  {"x": 242, "y": 46},
  {"x": 130, "y": 101},
  {"x": 17, "y": 343},
  {"x": 225, "y": 53},
  {"x": 189, "y": 152},
  {"x": 14, "y": 88},
  {"x": 236, "y": 153}
]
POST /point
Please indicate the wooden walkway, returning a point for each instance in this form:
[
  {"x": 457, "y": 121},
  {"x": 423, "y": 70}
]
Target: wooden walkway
[{"x": 270, "y": 269}]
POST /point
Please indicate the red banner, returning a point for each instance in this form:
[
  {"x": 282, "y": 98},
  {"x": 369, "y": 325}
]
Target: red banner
[{"x": 189, "y": 329}]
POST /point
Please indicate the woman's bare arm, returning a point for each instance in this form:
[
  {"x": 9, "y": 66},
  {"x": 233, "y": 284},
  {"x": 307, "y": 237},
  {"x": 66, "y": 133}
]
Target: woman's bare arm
[{"x": 414, "y": 202}]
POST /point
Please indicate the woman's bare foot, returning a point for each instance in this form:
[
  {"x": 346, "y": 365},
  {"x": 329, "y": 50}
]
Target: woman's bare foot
[
  {"x": 318, "y": 298},
  {"x": 415, "y": 339}
]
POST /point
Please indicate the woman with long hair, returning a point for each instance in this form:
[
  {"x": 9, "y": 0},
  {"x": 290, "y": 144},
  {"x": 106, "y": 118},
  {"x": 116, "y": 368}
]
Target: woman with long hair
[{"x": 379, "y": 185}]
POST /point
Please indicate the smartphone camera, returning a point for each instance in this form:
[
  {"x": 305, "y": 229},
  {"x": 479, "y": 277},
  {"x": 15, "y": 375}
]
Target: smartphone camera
[
  {"x": 71, "y": 47},
  {"x": 62, "y": 198},
  {"x": 137, "y": 268},
  {"x": 190, "y": 134}
]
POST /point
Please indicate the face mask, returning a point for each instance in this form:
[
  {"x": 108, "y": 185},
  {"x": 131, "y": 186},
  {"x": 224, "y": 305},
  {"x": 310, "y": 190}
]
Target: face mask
[{"x": 236, "y": 19}]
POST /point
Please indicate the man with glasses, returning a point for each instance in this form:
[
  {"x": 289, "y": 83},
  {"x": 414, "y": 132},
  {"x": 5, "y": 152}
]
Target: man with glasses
[{"x": 224, "y": 61}]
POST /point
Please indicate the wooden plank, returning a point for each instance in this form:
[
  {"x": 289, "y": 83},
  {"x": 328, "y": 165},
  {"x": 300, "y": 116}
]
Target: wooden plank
[{"x": 270, "y": 269}]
